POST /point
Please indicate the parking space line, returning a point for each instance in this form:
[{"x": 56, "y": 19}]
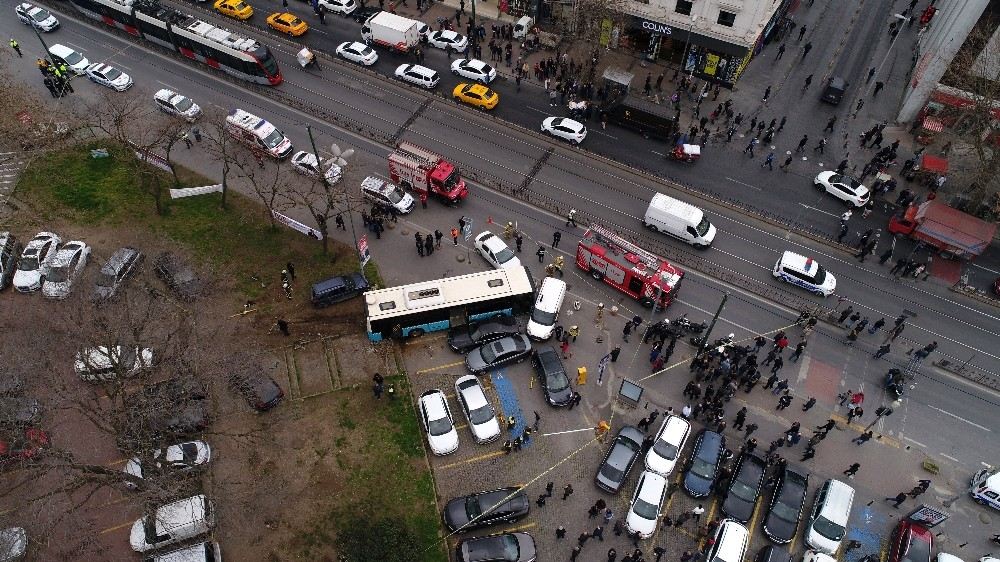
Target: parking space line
[
  {"x": 483, "y": 457},
  {"x": 439, "y": 367},
  {"x": 461, "y": 426},
  {"x": 524, "y": 527},
  {"x": 116, "y": 528},
  {"x": 568, "y": 431}
]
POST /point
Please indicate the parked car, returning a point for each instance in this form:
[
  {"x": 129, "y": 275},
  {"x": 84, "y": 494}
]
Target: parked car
[
  {"x": 164, "y": 411},
  {"x": 668, "y": 444},
  {"x": 910, "y": 542},
  {"x": 495, "y": 251},
  {"x": 567, "y": 129},
  {"x": 477, "y": 409},
  {"x": 787, "y": 501},
  {"x": 178, "y": 276},
  {"x": 35, "y": 261},
  {"x": 65, "y": 269},
  {"x": 505, "y": 547},
  {"x": 23, "y": 445},
  {"x": 418, "y": 75},
  {"x": 847, "y": 189},
  {"x": 703, "y": 464},
  {"x": 107, "y": 75},
  {"x": 306, "y": 164},
  {"x": 442, "y": 437},
  {"x": 40, "y": 18},
  {"x": 173, "y": 523},
  {"x": 619, "y": 459},
  {"x": 108, "y": 363},
  {"x": 644, "y": 512},
  {"x": 13, "y": 544},
  {"x": 552, "y": 376},
  {"x": 207, "y": 551},
  {"x": 10, "y": 251},
  {"x": 122, "y": 265},
  {"x": 342, "y": 7},
  {"x": 466, "y": 337},
  {"x": 178, "y": 458},
  {"x": 511, "y": 349},
  {"x": 478, "y": 95},
  {"x": 744, "y": 487},
  {"x": 172, "y": 103},
  {"x": 445, "y": 38},
  {"x": 773, "y": 553},
  {"x": 474, "y": 69},
  {"x": 19, "y": 411},
  {"x": 338, "y": 289},
  {"x": 258, "y": 389},
  {"x": 361, "y": 15},
  {"x": 482, "y": 509},
  {"x": 75, "y": 61},
  {"x": 358, "y": 52}
]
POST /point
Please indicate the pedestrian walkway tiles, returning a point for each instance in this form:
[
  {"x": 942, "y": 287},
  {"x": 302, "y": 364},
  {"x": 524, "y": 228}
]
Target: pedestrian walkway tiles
[
  {"x": 823, "y": 379},
  {"x": 509, "y": 403}
]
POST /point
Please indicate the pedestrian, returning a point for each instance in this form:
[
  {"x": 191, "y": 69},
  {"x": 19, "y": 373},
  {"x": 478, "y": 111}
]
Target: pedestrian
[
  {"x": 768, "y": 162},
  {"x": 614, "y": 353},
  {"x": 863, "y": 438},
  {"x": 750, "y": 146},
  {"x": 541, "y": 500},
  {"x": 871, "y": 73},
  {"x": 852, "y": 470},
  {"x": 807, "y": 454},
  {"x": 922, "y": 353},
  {"x": 429, "y": 244},
  {"x": 556, "y": 237},
  {"x": 560, "y": 531},
  {"x": 830, "y": 424},
  {"x": 283, "y": 327},
  {"x": 752, "y": 427},
  {"x": 598, "y": 533},
  {"x": 778, "y": 364},
  {"x": 781, "y": 52},
  {"x": 809, "y": 404},
  {"x": 805, "y": 51},
  {"x": 802, "y": 32},
  {"x": 574, "y": 332},
  {"x": 518, "y": 240},
  {"x": 830, "y": 123},
  {"x": 423, "y": 199},
  {"x": 583, "y": 538},
  {"x": 612, "y": 555},
  {"x": 419, "y": 241},
  {"x": 767, "y": 94},
  {"x": 857, "y": 108},
  {"x": 784, "y": 401},
  {"x": 576, "y": 549},
  {"x": 808, "y": 81},
  {"x": 571, "y": 218},
  {"x": 697, "y": 513},
  {"x": 741, "y": 417},
  {"x": 786, "y": 164},
  {"x": 438, "y": 235},
  {"x": 820, "y": 146},
  {"x": 567, "y": 491},
  {"x": 17, "y": 47},
  {"x": 540, "y": 253},
  {"x": 882, "y": 350},
  {"x": 897, "y": 500},
  {"x": 454, "y": 236},
  {"x": 799, "y": 348},
  {"x": 682, "y": 518},
  {"x": 878, "y": 88},
  {"x": 843, "y": 232},
  {"x": 802, "y": 143}
]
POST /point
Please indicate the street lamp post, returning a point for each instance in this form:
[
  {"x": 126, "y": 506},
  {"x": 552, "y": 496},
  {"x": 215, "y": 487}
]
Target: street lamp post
[
  {"x": 878, "y": 69},
  {"x": 687, "y": 43}
]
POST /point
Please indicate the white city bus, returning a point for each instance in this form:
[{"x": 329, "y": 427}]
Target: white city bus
[{"x": 428, "y": 306}]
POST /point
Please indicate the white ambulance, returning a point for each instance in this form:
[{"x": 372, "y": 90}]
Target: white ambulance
[{"x": 258, "y": 134}]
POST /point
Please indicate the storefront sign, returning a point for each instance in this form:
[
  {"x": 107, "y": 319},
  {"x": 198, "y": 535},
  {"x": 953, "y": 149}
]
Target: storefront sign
[
  {"x": 656, "y": 27},
  {"x": 711, "y": 64}
]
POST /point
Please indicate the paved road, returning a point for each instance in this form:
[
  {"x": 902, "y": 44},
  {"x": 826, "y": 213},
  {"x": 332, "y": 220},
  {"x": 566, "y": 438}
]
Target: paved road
[{"x": 940, "y": 415}]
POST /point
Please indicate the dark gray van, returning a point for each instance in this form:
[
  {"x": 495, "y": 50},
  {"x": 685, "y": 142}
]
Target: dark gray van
[
  {"x": 337, "y": 289},
  {"x": 834, "y": 91},
  {"x": 10, "y": 251}
]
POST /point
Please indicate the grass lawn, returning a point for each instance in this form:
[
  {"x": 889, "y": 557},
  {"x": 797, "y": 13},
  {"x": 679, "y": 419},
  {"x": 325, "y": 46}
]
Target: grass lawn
[{"x": 238, "y": 240}]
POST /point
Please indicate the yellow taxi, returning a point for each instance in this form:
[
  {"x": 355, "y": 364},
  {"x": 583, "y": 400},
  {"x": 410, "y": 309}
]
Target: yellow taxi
[
  {"x": 477, "y": 95},
  {"x": 234, "y": 8},
  {"x": 287, "y": 23}
]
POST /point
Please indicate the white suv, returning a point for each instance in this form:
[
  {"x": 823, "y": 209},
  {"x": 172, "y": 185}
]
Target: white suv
[
  {"x": 35, "y": 261},
  {"x": 438, "y": 423},
  {"x": 662, "y": 456},
  {"x": 172, "y": 523}
]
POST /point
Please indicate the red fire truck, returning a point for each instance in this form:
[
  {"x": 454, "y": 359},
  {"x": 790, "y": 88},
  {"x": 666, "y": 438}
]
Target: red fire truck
[
  {"x": 627, "y": 267},
  {"x": 426, "y": 173}
]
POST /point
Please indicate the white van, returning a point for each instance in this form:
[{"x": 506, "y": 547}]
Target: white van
[
  {"x": 172, "y": 523},
  {"x": 804, "y": 272},
  {"x": 258, "y": 134},
  {"x": 731, "y": 541},
  {"x": 523, "y": 27},
  {"x": 679, "y": 219},
  {"x": 202, "y": 552},
  {"x": 828, "y": 518},
  {"x": 985, "y": 487},
  {"x": 545, "y": 313}
]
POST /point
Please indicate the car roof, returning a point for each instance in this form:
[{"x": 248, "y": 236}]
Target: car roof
[
  {"x": 474, "y": 395},
  {"x": 40, "y": 240},
  {"x": 60, "y": 49},
  {"x": 799, "y": 262},
  {"x": 710, "y": 441},
  {"x": 652, "y": 486},
  {"x": 433, "y": 401},
  {"x": 118, "y": 259},
  {"x": 673, "y": 428},
  {"x": 66, "y": 252},
  {"x": 476, "y": 88}
]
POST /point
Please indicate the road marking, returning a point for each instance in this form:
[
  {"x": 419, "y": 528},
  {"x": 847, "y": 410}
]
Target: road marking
[
  {"x": 115, "y": 528},
  {"x": 540, "y": 111},
  {"x": 604, "y": 134},
  {"x": 951, "y": 458},
  {"x": 746, "y": 184},
  {"x": 820, "y": 210},
  {"x": 973, "y": 424},
  {"x": 917, "y": 443},
  {"x": 439, "y": 367},
  {"x": 568, "y": 431},
  {"x": 486, "y": 456},
  {"x": 994, "y": 272},
  {"x": 169, "y": 87},
  {"x": 803, "y": 370},
  {"x": 659, "y": 153},
  {"x": 80, "y": 49}
]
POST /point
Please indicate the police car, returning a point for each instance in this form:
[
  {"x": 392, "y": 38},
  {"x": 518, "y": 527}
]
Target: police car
[
  {"x": 386, "y": 195},
  {"x": 172, "y": 103},
  {"x": 40, "y": 18},
  {"x": 806, "y": 273},
  {"x": 107, "y": 75}
]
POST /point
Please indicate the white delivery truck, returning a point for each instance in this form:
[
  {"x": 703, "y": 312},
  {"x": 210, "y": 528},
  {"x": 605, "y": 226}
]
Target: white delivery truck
[
  {"x": 679, "y": 219},
  {"x": 391, "y": 31}
]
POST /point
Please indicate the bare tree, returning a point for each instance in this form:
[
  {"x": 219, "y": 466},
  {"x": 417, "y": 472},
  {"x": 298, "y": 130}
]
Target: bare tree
[
  {"x": 221, "y": 145},
  {"x": 325, "y": 200},
  {"x": 269, "y": 183},
  {"x": 590, "y": 19}
]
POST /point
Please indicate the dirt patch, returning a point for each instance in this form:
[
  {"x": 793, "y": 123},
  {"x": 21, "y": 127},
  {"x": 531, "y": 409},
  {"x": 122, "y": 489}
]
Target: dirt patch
[{"x": 312, "y": 370}]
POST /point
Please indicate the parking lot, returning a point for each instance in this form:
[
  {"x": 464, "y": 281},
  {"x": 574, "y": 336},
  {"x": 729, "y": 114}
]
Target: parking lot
[{"x": 565, "y": 450}]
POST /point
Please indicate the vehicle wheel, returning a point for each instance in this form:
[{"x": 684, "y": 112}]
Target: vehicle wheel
[
  {"x": 458, "y": 99},
  {"x": 597, "y": 275},
  {"x": 478, "y": 252},
  {"x": 700, "y": 246},
  {"x": 416, "y": 333},
  {"x": 646, "y": 302},
  {"x": 574, "y": 142},
  {"x": 482, "y": 108},
  {"x": 652, "y": 228},
  {"x": 455, "y": 72}
]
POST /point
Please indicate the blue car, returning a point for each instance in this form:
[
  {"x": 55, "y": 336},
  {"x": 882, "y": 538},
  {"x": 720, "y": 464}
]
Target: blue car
[{"x": 703, "y": 465}]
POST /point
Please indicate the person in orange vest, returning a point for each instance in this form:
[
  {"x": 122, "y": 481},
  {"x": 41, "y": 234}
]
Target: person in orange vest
[{"x": 423, "y": 200}]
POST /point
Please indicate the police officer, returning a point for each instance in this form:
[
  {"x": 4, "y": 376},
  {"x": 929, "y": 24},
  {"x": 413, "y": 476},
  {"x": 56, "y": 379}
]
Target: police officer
[{"x": 17, "y": 48}]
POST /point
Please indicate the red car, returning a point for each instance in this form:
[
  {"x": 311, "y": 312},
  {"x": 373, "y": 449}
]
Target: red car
[
  {"x": 911, "y": 542},
  {"x": 26, "y": 447}
]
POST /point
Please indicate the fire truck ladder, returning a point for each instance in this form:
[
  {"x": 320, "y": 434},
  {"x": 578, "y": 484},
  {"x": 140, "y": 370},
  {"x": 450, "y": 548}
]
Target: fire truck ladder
[
  {"x": 651, "y": 261},
  {"x": 414, "y": 152}
]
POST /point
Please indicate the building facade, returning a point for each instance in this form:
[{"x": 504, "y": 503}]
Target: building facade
[{"x": 714, "y": 40}]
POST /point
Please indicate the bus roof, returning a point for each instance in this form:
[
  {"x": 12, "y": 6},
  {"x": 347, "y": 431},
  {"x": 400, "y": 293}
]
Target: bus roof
[{"x": 450, "y": 291}]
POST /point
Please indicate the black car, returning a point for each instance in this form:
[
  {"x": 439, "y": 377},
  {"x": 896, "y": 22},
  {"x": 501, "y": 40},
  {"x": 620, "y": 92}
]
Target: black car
[
  {"x": 460, "y": 511},
  {"x": 703, "y": 464},
  {"x": 464, "y": 338},
  {"x": 178, "y": 275},
  {"x": 744, "y": 487},
  {"x": 509, "y": 349},
  {"x": 505, "y": 547},
  {"x": 338, "y": 289},
  {"x": 552, "y": 376},
  {"x": 163, "y": 411},
  {"x": 771, "y": 553},
  {"x": 362, "y": 14},
  {"x": 618, "y": 462},
  {"x": 786, "y": 505},
  {"x": 259, "y": 390}
]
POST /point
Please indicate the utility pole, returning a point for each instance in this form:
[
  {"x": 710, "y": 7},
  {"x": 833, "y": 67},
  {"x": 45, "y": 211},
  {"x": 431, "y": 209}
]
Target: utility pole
[
  {"x": 474, "y": 40},
  {"x": 711, "y": 325}
]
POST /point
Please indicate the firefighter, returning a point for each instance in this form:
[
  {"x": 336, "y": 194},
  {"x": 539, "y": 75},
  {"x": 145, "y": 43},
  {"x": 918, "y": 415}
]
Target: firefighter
[
  {"x": 508, "y": 230},
  {"x": 558, "y": 264}
]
